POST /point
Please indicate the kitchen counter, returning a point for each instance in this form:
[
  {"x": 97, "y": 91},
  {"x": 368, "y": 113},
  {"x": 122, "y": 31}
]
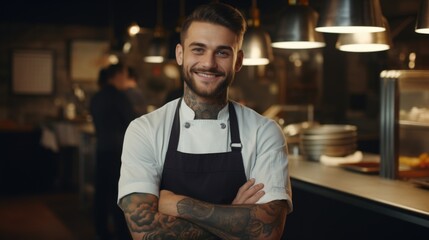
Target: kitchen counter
[{"x": 394, "y": 198}]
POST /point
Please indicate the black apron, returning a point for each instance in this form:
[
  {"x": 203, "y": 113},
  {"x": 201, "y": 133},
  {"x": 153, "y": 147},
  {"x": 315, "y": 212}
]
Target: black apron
[{"x": 213, "y": 177}]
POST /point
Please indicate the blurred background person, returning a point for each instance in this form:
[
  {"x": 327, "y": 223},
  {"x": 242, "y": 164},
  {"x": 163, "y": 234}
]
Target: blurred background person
[
  {"x": 102, "y": 78},
  {"x": 134, "y": 93},
  {"x": 111, "y": 112}
]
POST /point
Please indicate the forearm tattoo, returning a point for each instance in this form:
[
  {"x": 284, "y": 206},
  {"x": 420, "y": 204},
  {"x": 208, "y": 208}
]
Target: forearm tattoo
[
  {"x": 237, "y": 221},
  {"x": 145, "y": 222}
]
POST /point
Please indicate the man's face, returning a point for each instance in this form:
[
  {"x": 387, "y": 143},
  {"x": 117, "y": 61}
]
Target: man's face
[
  {"x": 120, "y": 79},
  {"x": 209, "y": 57}
]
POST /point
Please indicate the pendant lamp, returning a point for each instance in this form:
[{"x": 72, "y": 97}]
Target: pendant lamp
[
  {"x": 256, "y": 43},
  {"x": 350, "y": 16},
  {"x": 174, "y": 37},
  {"x": 158, "y": 47},
  {"x": 365, "y": 41},
  {"x": 158, "y": 50},
  {"x": 422, "y": 24},
  {"x": 296, "y": 28},
  {"x": 133, "y": 29}
]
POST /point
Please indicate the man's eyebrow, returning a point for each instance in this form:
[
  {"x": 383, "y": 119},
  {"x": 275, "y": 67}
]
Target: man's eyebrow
[
  {"x": 225, "y": 47},
  {"x": 221, "y": 47},
  {"x": 197, "y": 44}
]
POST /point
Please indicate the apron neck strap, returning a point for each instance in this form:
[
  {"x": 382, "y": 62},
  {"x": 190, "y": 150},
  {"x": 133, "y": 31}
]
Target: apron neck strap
[{"x": 233, "y": 124}]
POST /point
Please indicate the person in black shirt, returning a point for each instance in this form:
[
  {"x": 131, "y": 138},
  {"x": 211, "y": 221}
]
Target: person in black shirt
[
  {"x": 111, "y": 112},
  {"x": 134, "y": 93}
]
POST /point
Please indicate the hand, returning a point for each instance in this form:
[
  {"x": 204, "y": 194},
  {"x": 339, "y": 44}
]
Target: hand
[
  {"x": 249, "y": 193},
  {"x": 167, "y": 203}
]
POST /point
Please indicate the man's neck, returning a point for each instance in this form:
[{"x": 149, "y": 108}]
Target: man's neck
[{"x": 204, "y": 108}]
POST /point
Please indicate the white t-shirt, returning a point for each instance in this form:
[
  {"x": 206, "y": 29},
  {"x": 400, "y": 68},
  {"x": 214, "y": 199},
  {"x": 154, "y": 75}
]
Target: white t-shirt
[{"x": 146, "y": 142}]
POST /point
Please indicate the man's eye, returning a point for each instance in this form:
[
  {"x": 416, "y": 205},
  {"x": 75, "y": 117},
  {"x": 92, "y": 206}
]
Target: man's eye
[
  {"x": 223, "y": 53},
  {"x": 197, "y": 50}
]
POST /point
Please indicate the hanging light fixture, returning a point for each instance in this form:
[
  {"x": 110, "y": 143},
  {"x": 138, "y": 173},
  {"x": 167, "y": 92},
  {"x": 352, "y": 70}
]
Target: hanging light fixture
[
  {"x": 422, "y": 24},
  {"x": 158, "y": 47},
  {"x": 174, "y": 37},
  {"x": 296, "y": 27},
  {"x": 158, "y": 50},
  {"x": 133, "y": 29},
  {"x": 351, "y": 16},
  {"x": 365, "y": 41},
  {"x": 256, "y": 43},
  {"x": 182, "y": 16}
]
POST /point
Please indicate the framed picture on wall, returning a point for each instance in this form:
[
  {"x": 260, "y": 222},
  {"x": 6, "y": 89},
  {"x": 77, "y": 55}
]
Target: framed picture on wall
[
  {"x": 87, "y": 58},
  {"x": 32, "y": 72}
]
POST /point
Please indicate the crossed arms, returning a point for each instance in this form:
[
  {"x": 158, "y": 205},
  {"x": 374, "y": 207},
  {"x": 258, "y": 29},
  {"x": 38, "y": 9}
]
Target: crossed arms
[{"x": 179, "y": 217}]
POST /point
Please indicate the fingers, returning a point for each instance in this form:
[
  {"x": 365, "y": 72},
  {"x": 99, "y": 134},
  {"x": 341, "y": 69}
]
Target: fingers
[
  {"x": 249, "y": 193},
  {"x": 255, "y": 197},
  {"x": 246, "y": 186}
]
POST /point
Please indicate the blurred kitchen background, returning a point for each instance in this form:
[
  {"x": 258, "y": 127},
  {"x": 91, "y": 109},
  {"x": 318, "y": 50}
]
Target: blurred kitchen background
[{"x": 51, "y": 52}]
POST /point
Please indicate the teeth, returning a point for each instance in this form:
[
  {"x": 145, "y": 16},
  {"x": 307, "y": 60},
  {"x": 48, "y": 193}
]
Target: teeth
[{"x": 206, "y": 75}]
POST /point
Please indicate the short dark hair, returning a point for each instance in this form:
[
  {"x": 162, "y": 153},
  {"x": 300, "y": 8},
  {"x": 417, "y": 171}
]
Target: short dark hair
[
  {"x": 132, "y": 74},
  {"x": 114, "y": 69},
  {"x": 216, "y": 13},
  {"x": 102, "y": 77}
]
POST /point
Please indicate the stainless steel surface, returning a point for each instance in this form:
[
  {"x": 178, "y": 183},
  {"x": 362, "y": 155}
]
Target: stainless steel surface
[{"x": 379, "y": 193}]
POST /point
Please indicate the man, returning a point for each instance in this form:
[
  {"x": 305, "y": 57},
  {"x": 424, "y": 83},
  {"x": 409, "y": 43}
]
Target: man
[
  {"x": 111, "y": 113},
  {"x": 203, "y": 167},
  {"x": 134, "y": 93}
]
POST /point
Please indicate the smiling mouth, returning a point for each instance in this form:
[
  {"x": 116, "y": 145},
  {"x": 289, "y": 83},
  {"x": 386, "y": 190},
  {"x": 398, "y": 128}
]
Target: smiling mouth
[{"x": 206, "y": 74}]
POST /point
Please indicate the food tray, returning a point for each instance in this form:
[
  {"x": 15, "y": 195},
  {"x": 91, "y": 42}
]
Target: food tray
[{"x": 363, "y": 167}]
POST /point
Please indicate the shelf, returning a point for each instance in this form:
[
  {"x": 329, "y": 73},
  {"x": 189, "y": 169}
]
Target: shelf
[{"x": 413, "y": 123}]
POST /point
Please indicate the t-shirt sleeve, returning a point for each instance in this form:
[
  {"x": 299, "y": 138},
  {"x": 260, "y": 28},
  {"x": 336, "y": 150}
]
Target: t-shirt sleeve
[{"x": 140, "y": 170}]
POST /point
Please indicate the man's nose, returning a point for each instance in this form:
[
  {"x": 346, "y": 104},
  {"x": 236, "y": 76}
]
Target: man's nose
[{"x": 209, "y": 60}]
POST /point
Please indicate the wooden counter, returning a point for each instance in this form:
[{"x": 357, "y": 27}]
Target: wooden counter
[{"x": 394, "y": 198}]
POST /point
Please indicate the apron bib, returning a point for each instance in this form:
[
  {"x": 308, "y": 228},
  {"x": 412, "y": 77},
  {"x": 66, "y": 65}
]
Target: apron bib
[{"x": 213, "y": 177}]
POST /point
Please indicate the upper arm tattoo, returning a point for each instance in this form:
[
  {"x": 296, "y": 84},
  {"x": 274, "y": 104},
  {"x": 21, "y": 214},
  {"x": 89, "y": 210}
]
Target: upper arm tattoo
[
  {"x": 237, "y": 221},
  {"x": 145, "y": 222}
]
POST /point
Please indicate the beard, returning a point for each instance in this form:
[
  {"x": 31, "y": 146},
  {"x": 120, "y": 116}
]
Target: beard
[{"x": 219, "y": 90}]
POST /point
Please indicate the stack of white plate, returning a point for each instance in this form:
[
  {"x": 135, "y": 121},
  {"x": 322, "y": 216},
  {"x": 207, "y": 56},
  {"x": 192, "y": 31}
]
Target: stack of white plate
[{"x": 330, "y": 140}]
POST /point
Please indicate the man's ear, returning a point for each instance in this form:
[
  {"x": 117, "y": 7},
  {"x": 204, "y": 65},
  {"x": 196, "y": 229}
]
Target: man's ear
[
  {"x": 239, "y": 62},
  {"x": 179, "y": 54}
]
